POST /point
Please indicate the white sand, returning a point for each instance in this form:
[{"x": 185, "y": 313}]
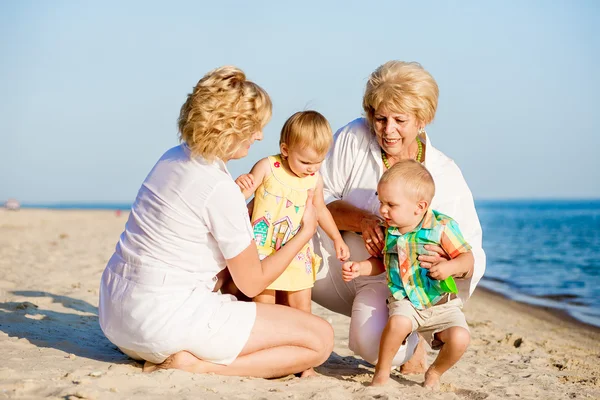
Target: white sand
[{"x": 51, "y": 344}]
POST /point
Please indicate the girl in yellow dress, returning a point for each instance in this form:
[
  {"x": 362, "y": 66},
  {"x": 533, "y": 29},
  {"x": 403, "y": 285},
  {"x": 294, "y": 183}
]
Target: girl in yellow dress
[{"x": 280, "y": 185}]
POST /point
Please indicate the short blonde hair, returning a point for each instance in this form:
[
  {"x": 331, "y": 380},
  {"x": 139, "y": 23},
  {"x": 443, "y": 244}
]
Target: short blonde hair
[
  {"x": 414, "y": 178},
  {"x": 307, "y": 129},
  {"x": 402, "y": 87},
  {"x": 222, "y": 112}
]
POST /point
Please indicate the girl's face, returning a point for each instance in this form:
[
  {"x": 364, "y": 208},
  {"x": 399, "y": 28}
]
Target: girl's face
[
  {"x": 398, "y": 208},
  {"x": 244, "y": 147},
  {"x": 302, "y": 162},
  {"x": 395, "y": 132}
]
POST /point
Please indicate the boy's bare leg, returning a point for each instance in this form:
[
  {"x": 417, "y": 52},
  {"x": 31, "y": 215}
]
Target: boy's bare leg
[
  {"x": 395, "y": 332},
  {"x": 266, "y": 297},
  {"x": 300, "y": 300},
  {"x": 456, "y": 340},
  {"x": 417, "y": 364}
]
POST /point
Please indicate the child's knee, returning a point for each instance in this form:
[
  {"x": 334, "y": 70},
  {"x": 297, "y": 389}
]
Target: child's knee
[
  {"x": 400, "y": 324},
  {"x": 458, "y": 337}
]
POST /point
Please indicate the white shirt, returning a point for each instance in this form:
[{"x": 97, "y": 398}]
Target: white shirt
[
  {"x": 188, "y": 218},
  {"x": 352, "y": 170}
]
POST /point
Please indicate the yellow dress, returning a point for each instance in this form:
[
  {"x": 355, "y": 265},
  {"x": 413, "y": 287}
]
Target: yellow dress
[{"x": 278, "y": 208}]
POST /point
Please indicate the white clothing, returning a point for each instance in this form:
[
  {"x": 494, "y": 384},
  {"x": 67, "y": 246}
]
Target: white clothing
[
  {"x": 351, "y": 172},
  {"x": 156, "y": 291}
]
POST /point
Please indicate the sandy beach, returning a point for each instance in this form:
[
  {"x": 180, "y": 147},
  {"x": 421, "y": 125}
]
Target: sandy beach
[{"x": 51, "y": 345}]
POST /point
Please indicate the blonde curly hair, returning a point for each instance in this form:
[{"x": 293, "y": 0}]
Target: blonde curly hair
[
  {"x": 223, "y": 111},
  {"x": 402, "y": 87}
]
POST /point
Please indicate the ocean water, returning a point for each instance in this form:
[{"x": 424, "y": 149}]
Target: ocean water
[
  {"x": 539, "y": 252},
  {"x": 544, "y": 253}
]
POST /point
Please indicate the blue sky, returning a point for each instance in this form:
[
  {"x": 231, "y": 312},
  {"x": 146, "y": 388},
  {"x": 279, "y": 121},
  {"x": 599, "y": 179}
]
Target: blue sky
[{"x": 90, "y": 92}]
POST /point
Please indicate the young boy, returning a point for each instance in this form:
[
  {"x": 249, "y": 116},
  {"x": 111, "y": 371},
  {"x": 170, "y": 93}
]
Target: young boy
[{"x": 421, "y": 299}]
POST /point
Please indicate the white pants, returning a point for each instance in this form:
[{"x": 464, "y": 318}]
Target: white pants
[{"x": 363, "y": 299}]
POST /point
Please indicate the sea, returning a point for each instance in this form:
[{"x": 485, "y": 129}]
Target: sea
[{"x": 540, "y": 252}]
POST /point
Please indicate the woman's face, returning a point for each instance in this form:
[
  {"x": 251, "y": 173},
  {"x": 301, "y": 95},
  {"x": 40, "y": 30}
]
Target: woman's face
[
  {"x": 242, "y": 151},
  {"x": 395, "y": 131}
]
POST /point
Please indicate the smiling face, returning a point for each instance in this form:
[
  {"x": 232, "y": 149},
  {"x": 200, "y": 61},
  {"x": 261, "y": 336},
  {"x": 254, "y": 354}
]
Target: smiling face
[
  {"x": 395, "y": 132},
  {"x": 302, "y": 162},
  {"x": 244, "y": 147},
  {"x": 399, "y": 208}
]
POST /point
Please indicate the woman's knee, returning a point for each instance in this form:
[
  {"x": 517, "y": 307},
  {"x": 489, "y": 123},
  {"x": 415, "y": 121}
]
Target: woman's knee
[
  {"x": 365, "y": 345},
  {"x": 325, "y": 339}
]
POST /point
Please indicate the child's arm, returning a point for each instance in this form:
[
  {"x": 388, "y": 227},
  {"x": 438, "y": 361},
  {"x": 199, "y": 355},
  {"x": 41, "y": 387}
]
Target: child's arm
[
  {"x": 460, "y": 267},
  {"x": 327, "y": 223},
  {"x": 354, "y": 269},
  {"x": 249, "y": 182}
]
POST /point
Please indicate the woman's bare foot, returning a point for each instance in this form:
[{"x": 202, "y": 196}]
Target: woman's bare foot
[
  {"x": 181, "y": 360},
  {"x": 309, "y": 373},
  {"x": 432, "y": 379},
  {"x": 417, "y": 363},
  {"x": 380, "y": 378}
]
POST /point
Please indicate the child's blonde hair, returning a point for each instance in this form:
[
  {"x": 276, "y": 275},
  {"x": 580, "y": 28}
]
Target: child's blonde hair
[
  {"x": 224, "y": 110},
  {"x": 307, "y": 129},
  {"x": 414, "y": 178}
]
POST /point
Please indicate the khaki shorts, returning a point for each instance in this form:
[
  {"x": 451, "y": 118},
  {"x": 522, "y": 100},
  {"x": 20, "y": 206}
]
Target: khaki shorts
[{"x": 432, "y": 320}]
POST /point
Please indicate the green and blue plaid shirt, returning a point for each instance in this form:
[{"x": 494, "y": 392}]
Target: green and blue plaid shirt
[{"x": 405, "y": 276}]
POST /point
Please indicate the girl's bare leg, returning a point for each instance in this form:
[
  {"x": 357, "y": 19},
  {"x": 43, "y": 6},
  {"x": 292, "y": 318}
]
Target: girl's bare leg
[
  {"x": 266, "y": 297},
  {"x": 300, "y": 300},
  {"x": 283, "y": 341},
  {"x": 456, "y": 340},
  {"x": 395, "y": 332}
]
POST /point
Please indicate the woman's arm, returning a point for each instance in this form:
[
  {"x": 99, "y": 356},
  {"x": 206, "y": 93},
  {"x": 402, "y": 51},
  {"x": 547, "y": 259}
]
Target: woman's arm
[
  {"x": 350, "y": 218},
  {"x": 252, "y": 276}
]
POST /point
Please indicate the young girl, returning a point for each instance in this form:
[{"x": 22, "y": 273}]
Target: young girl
[{"x": 280, "y": 184}]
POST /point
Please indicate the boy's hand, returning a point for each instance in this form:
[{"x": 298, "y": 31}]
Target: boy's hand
[
  {"x": 342, "y": 251},
  {"x": 245, "y": 182},
  {"x": 439, "y": 271},
  {"x": 350, "y": 270}
]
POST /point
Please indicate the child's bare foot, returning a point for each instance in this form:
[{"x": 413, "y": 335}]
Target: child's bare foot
[
  {"x": 380, "y": 378},
  {"x": 309, "y": 373},
  {"x": 432, "y": 379}
]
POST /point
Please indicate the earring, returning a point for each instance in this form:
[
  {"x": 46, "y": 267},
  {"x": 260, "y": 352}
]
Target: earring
[{"x": 421, "y": 131}]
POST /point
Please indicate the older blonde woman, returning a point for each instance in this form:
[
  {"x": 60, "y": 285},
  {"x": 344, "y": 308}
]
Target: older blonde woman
[
  {"x": 188, "y": 222},
  {"x": 399, "y": 102}
]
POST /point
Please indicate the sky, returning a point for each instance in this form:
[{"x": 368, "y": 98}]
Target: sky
[{"x": 90, "y": 91}]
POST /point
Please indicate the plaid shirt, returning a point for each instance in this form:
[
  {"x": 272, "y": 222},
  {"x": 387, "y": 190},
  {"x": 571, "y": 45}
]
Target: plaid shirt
[{"x": 405, "y": 276}]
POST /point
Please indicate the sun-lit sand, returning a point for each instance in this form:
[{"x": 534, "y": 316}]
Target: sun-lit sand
[{"x": 51, "y": 344}]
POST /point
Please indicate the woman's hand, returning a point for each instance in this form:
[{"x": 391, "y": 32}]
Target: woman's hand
[
  {"x": 245, "y": 182},
  {"x": 436, "y": 255},
  {"x": 372, "y": 234},
  {"x": 222, "y": 277},
  {"x": 309, "y": 219}
]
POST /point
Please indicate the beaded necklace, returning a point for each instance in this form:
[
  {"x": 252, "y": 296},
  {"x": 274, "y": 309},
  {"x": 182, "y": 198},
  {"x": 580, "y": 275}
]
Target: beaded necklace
[{"x": 419, "y": 155}]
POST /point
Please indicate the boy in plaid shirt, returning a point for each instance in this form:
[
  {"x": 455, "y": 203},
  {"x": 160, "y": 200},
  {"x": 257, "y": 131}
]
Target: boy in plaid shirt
[{"x": 422, "y": 300}]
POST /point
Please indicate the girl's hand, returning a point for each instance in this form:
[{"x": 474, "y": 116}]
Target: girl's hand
[
  {"x": 436, "y": 255},
  {"x": 309, "y": 219},
  {"x": 372, "y": 234},
  {"x": 245, "y": 182},
  {"x": 342, "y": 251},
  {"x": 350, "y": 270}
]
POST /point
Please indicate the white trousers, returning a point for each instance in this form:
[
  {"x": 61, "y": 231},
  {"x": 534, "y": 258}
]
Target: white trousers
[{"x": 363, "y": 299}]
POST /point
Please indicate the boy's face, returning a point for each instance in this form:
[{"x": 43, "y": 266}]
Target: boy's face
[
  {"x": 398, "y": 207},
  {"x": 302, "y": 162}
]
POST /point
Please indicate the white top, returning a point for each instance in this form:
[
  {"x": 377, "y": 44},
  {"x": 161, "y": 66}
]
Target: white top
[
  {"x": 188, "y": 218},
  {"x": 354, "y": 166}
]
